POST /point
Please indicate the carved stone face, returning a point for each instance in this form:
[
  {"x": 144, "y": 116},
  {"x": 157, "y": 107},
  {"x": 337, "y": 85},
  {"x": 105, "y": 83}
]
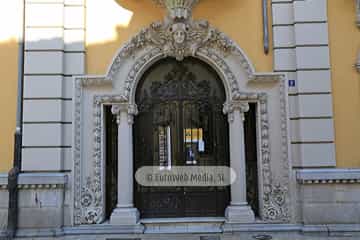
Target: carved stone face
[
  {"x": 179, "y": 36},
  {"x": 179, "y": 32}
]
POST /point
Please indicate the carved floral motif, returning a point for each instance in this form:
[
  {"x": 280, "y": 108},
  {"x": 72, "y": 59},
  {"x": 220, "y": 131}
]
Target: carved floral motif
[{"x": 91, "y": 202}]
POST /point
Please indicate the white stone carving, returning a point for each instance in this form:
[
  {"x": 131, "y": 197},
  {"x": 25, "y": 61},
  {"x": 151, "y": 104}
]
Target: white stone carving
[
  {"x": 229, "y": 109},
  {"x": 179, "y": 39},
  {"x": 131, "y": 109}
]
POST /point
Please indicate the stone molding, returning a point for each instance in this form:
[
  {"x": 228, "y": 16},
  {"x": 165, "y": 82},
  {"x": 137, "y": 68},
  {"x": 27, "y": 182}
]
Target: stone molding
[
  {"x": 37, "y": 181},
  {"x": 92, "y": 80},
  {"x": 292, "y": 231},
  {"x": 328, "y": 176}
]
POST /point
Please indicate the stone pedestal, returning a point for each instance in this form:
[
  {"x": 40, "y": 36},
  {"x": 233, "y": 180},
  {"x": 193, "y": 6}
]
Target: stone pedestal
[
  {"x": 125, "y": 216},
  {"x": 239, "y": 214}
]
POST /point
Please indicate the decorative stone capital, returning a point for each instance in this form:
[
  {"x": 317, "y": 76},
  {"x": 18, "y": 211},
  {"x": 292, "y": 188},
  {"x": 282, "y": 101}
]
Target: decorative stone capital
[
  {"x": 233, "y": 107},
  {"x": 178, "y": 9},
  {"x": 123, "y": 108}
]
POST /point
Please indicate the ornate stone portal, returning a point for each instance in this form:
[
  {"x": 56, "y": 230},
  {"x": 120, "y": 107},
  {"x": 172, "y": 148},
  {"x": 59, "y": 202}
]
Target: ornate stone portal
[{"x": 179, "y": 36}]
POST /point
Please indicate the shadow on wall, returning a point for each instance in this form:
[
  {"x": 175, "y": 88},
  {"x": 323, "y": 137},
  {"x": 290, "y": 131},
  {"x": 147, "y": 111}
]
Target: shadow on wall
[{"x": 240, "y": 20}]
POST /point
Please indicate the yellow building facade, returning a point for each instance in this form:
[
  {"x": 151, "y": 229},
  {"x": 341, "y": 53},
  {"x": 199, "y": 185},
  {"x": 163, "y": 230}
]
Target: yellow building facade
[
  {"x": 120, "y": 20},
  {"x": 10, "y": 19},
  {"x": 119, "y": 95}
]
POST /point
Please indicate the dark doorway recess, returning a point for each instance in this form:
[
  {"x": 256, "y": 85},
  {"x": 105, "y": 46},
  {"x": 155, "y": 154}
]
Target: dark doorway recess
[
  {"x": 251, "y": 159},
  {"x": 111, "y": 161}
]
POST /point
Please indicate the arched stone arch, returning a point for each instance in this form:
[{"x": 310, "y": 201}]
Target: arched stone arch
[{"x": 212, "y": 47}]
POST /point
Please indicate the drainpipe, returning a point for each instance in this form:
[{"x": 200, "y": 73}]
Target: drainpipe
[
  {"x": 16, "y": 169},
  {"x": 265, "y": 26}
]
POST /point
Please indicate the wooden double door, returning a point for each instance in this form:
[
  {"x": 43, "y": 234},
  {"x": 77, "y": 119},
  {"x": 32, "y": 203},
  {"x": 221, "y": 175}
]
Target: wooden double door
[{"x": 180, "y": 123}]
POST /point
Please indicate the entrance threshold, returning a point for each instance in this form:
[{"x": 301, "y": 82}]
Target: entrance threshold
[
  {"x": 183, "y": 225},
  {"x": 184, "y": 220}
]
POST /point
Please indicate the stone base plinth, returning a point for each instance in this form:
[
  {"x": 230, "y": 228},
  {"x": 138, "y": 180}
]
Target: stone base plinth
[
  {"x": 124, "y": 216},
  {"x": 239, "y": 214}
]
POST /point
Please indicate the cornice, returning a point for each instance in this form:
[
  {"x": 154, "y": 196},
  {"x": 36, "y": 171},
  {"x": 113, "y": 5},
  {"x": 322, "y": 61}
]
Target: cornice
[
  {"x": 37, "y": 181},
  {"x": 92, "y": 80},
  {"x": 328, "y": 176}
]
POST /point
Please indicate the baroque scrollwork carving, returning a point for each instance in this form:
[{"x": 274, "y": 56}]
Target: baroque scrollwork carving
[
  {"x": 275, "y": 194},
  {"x": 91, "y": 202},
  {"x": 179, "y": 39},
  {"x": 274, "y": 204},
  {"x": 88, "y": 198}
]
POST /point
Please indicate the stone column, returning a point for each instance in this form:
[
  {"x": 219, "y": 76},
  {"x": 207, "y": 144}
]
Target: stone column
[
  {"x": 125, "y": 213},
  {"x": 239, "y": 211}
]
